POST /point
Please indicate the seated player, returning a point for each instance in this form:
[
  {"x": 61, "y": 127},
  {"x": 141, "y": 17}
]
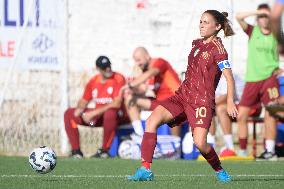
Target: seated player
[
  {"x": 102, "y": 89},
  {"x": 223, "y": 117},
  {"x": 159, "y": 75}
]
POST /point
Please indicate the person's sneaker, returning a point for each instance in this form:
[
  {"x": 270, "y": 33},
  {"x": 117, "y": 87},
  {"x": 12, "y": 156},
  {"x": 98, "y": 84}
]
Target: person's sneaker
[
  {"x": 242, "y": 153},
  {"x": 101, "y": 154},
  {"x": 223, "y": 176},
  {"x": 135, "y": 137},
  {"x": 142, "y": 174},
  {"x": 77, "y": 154},
  {"x": 267, "y": 156}
]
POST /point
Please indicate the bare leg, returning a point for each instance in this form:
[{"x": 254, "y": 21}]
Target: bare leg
[
  {"x": 225, "y": 121},
  {"x": 208, "y": 152},
  {"x": 134, "y": 104},
  {"x": 242, "y": 126},
  {"x": 175, "y": 130},
  {"x": 132, "y": 108},
  {"x": 270, "y": 132}
]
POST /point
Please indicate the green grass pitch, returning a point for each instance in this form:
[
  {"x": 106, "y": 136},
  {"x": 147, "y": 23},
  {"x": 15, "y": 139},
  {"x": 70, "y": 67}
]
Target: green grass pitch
[{"x": 15, "y": 172}]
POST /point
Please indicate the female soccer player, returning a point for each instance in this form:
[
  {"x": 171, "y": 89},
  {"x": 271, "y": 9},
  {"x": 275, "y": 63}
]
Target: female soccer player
[{"x": 195, "y": 99}]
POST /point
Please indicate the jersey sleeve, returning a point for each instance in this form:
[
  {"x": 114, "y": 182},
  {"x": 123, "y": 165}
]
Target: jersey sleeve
[
  {"x": 221, "y": 57},
  {"x": 160, "y": 64},
  {"x": 120, "y": 82},
  {"x": 249, "y": 29},
  {"x": 87, "y": 95}
]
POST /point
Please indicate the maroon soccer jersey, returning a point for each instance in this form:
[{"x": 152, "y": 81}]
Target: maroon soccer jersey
[{"x": 203, "y": 74}]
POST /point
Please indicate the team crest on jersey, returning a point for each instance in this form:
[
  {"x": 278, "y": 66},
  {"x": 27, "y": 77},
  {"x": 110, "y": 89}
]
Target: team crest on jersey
[
  {"x": 205, "y": 55},
  {"x": 109, "y": 90},
  {"x": 196, "y": 52},
  {"x": 95, "y": 93}
]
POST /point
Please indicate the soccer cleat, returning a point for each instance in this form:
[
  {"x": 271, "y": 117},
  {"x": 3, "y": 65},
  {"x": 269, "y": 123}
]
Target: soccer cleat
[
  {"x": 267, "y": 156},
  {"x": 77, "y": 154},
  {"x": 242, "y": 153},
  {"x": 101, "y": 153},
  {"x": 142, "y": 174},
  {"x": 223, "y": 176}
]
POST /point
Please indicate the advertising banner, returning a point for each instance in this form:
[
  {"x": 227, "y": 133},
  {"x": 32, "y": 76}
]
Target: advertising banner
[{"x": 32, "y": 33}]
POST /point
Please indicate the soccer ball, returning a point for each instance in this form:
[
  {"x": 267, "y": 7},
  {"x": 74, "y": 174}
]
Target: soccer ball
[
  {"x": 42, "y": 159},
  {"x": 129, "y": 149}
]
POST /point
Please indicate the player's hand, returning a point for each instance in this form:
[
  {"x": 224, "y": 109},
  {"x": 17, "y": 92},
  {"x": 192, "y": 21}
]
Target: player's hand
[
  {"x": 232, "y": 109},
  {"x": 88, "y": 116},
  {"x": 277, "y": 72},
  {"x": 123, "y": 89},
  {"x": 78, "y": 112}
]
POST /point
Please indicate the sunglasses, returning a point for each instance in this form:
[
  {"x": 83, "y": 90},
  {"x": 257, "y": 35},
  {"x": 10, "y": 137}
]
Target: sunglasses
[{"x": 262, "y": 16}]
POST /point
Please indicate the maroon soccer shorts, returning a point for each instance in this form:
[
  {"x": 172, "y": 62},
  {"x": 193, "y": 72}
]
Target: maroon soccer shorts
[
  {"x": 197, "y": 116},
  {"x": 263, "y": 91},
  {"x": 154, "y": 104}
]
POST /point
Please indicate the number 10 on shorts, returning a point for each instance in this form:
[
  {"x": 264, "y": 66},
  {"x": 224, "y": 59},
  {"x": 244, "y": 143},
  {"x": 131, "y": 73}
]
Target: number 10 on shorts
[
  {"x": 273, "y": 93},
  {"x": 200, "y": 112}
]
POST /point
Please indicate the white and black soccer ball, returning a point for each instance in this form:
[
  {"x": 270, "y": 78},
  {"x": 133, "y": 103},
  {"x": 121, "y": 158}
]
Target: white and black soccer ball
[
  {"x": 129, "y": 149},
  {"x": 42, "y": 159}
]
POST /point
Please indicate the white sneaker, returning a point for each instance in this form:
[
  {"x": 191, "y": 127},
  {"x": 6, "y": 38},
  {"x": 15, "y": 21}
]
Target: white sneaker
[
  {"x": 242, "y": 153},
  {"x": 135, "y": 137}
]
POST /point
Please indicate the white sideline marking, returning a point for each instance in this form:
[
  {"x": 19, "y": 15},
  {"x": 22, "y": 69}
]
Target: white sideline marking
[{"x": 123, "y": 176}]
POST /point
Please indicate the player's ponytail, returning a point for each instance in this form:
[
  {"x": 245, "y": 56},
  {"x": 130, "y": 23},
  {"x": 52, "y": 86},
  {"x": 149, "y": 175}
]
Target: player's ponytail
[{"x": 221, "y": 18}]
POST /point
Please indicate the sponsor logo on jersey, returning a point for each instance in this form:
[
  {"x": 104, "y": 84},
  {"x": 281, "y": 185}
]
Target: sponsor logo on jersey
[
  {"x": 196, "y": 52},
  {"x": 110, "y": 90},
  {"x": 103, "y": 100},
  {"x": 95, "y": 93}
]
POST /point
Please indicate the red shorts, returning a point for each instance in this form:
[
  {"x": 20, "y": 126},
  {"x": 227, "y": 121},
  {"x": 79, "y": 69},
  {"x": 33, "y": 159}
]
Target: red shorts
[
  {"x": 263, "y": 91},
  {"x": 196, "y": 115},
  {"x": 154, "y": 103}
]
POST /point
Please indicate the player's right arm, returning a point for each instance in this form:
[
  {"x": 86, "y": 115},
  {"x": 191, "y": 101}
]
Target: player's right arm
[
  {"x": 82, "y": 104},
  {"x": 144, "y": 77},
  {"x": 241, "y": 16}
]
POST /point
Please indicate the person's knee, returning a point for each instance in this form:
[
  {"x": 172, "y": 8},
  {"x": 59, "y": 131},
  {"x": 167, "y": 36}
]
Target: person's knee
[
  {"x": 111, "y": 114},
  {"x": 221, "y": 110},
  {"x": 152, "y": 123},
  {"x": 128, "y": 98},
  {"x": 242, "y": 117},
  {"x": 69, "y": 113},
  {"x": 200, "y": 144}
]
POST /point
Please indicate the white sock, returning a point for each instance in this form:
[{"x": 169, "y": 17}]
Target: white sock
[
  {"x": 211, "y": 139},
  {"x": 138, "y": 128},
  {"x": 270, "y": 146},
  {"x": 228, "y": 140}
]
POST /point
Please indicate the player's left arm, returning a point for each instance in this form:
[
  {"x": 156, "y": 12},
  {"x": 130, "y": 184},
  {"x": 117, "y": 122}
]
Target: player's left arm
[
  {"x": 231, "y": 107},
  {"x": 116, "y": 103},
  {"x": 88, "y": 116}
]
